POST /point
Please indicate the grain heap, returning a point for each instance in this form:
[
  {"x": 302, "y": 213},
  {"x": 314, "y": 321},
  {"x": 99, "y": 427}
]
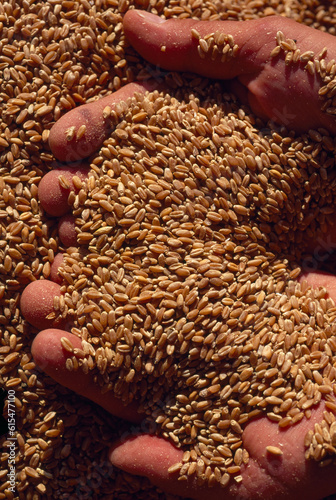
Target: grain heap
[
  {"x": 184, "y": 289},
  {"x": 53, "y": 57}
]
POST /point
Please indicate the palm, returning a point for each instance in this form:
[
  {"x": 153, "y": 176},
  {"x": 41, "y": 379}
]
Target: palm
[
  {"x": 270, "y": 90},
  {"x": 287, "y": 94}
]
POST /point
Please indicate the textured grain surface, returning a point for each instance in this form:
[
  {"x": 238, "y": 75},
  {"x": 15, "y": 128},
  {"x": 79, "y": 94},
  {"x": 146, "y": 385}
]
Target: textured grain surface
[
  {"x": 188, "y": 301},
  {"x": 54, "y": 57}
]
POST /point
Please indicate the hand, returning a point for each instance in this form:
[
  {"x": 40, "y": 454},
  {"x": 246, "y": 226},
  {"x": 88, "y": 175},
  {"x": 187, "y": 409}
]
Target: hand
[
  {"x": 286, "y": 94},
  {"x": 288, "y": 476},
  {"x": 271, "y": 477}
]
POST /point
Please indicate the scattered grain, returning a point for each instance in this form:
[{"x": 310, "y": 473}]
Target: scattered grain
[
  {"x": 274, "y": 450},
  {"x": 206, "y": 291},
  {"x": 53, "y": 57}
]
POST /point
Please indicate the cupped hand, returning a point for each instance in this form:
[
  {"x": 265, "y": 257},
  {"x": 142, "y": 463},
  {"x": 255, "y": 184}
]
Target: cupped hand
[
  {"x": 288, "y": 94},
  {"x": 275, "y": 477},
  {"x": 274, "y": 92}
]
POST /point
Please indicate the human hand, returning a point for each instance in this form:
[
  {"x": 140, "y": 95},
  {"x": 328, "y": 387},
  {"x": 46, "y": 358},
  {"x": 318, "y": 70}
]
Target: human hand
[
  {"x": 266, "y": 475},
  {"x": 49, "y": 355},
  {"x": 275, "y": 88},
  {"x": 286, "y": 93}
]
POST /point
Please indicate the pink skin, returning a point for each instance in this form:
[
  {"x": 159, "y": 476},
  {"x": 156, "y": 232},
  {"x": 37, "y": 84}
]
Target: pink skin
[
  {"x": 54, "y": 201},
  {"x": 265, "y": 477},
  {"x": 74, "y": 150},
  {"x": 54, "y": 276},
  {"x": 67, "y": 232},
  {"x": 275, "y": 92},
  {"x": 51, "y": 357}
]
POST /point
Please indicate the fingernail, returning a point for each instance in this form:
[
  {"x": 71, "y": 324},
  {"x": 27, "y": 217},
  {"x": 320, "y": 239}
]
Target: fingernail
[{"x": 151, "y": 18}]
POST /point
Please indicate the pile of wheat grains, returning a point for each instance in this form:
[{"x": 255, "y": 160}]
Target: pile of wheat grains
[
  {"x": 201, "y": 255},
  {"x": 183, "y": 286}
]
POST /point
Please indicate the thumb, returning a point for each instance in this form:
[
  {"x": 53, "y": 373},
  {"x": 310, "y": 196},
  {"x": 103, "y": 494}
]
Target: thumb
[
  {"x": 151, "y": 456},
  {"x": 244, "y": 51},
  {"x": 173, "y": 43}
]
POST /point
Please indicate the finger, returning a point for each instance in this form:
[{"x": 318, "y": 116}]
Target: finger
[
  {"x": 67, "y": 231},
  {"x": 265, "y": 476},
  {"x": 54, "y": 189},
  {"x": 319, "y": 279},
  {"x": 149, "y": 456},
  {"x": 83, "y": 130},
  {"x": 170, "y": 44},
  {"x": 51, "y": 357},
  {"x": 54, "y": 275},
  {"x": 37, "y": 303},
  {"x": 287, "y": 97}
]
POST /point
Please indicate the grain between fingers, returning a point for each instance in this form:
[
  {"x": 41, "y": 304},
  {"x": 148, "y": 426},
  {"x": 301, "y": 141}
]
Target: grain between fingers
[
  {"x": 190, "y": 242},
  {"x": 54, "y": 57}
]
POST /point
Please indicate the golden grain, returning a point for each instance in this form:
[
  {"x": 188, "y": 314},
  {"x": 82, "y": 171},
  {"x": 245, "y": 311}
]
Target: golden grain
[
  {"x": 72, "y": 53},
  {"x": 176, "y": 251},
  {"x": 274, "y": 450}
]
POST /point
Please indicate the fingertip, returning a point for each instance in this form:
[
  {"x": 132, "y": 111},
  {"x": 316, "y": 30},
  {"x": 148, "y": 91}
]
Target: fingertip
[
  {"x": 67, "y": 231},
  {"x": 37, "y": 303},
  {"x": 134, "y": 16},
  {"x": 75, "y": 135},
  {"x": 53, "y": 194},
  {"x": 50, "y": 356},
  {"x": 146, "y": 455},
  {"x": 156, "y": 39},
  {"x": 82, "y": 131},
  {"x": 54, "y": 276},
  {"x": 53, "y": 198}
]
